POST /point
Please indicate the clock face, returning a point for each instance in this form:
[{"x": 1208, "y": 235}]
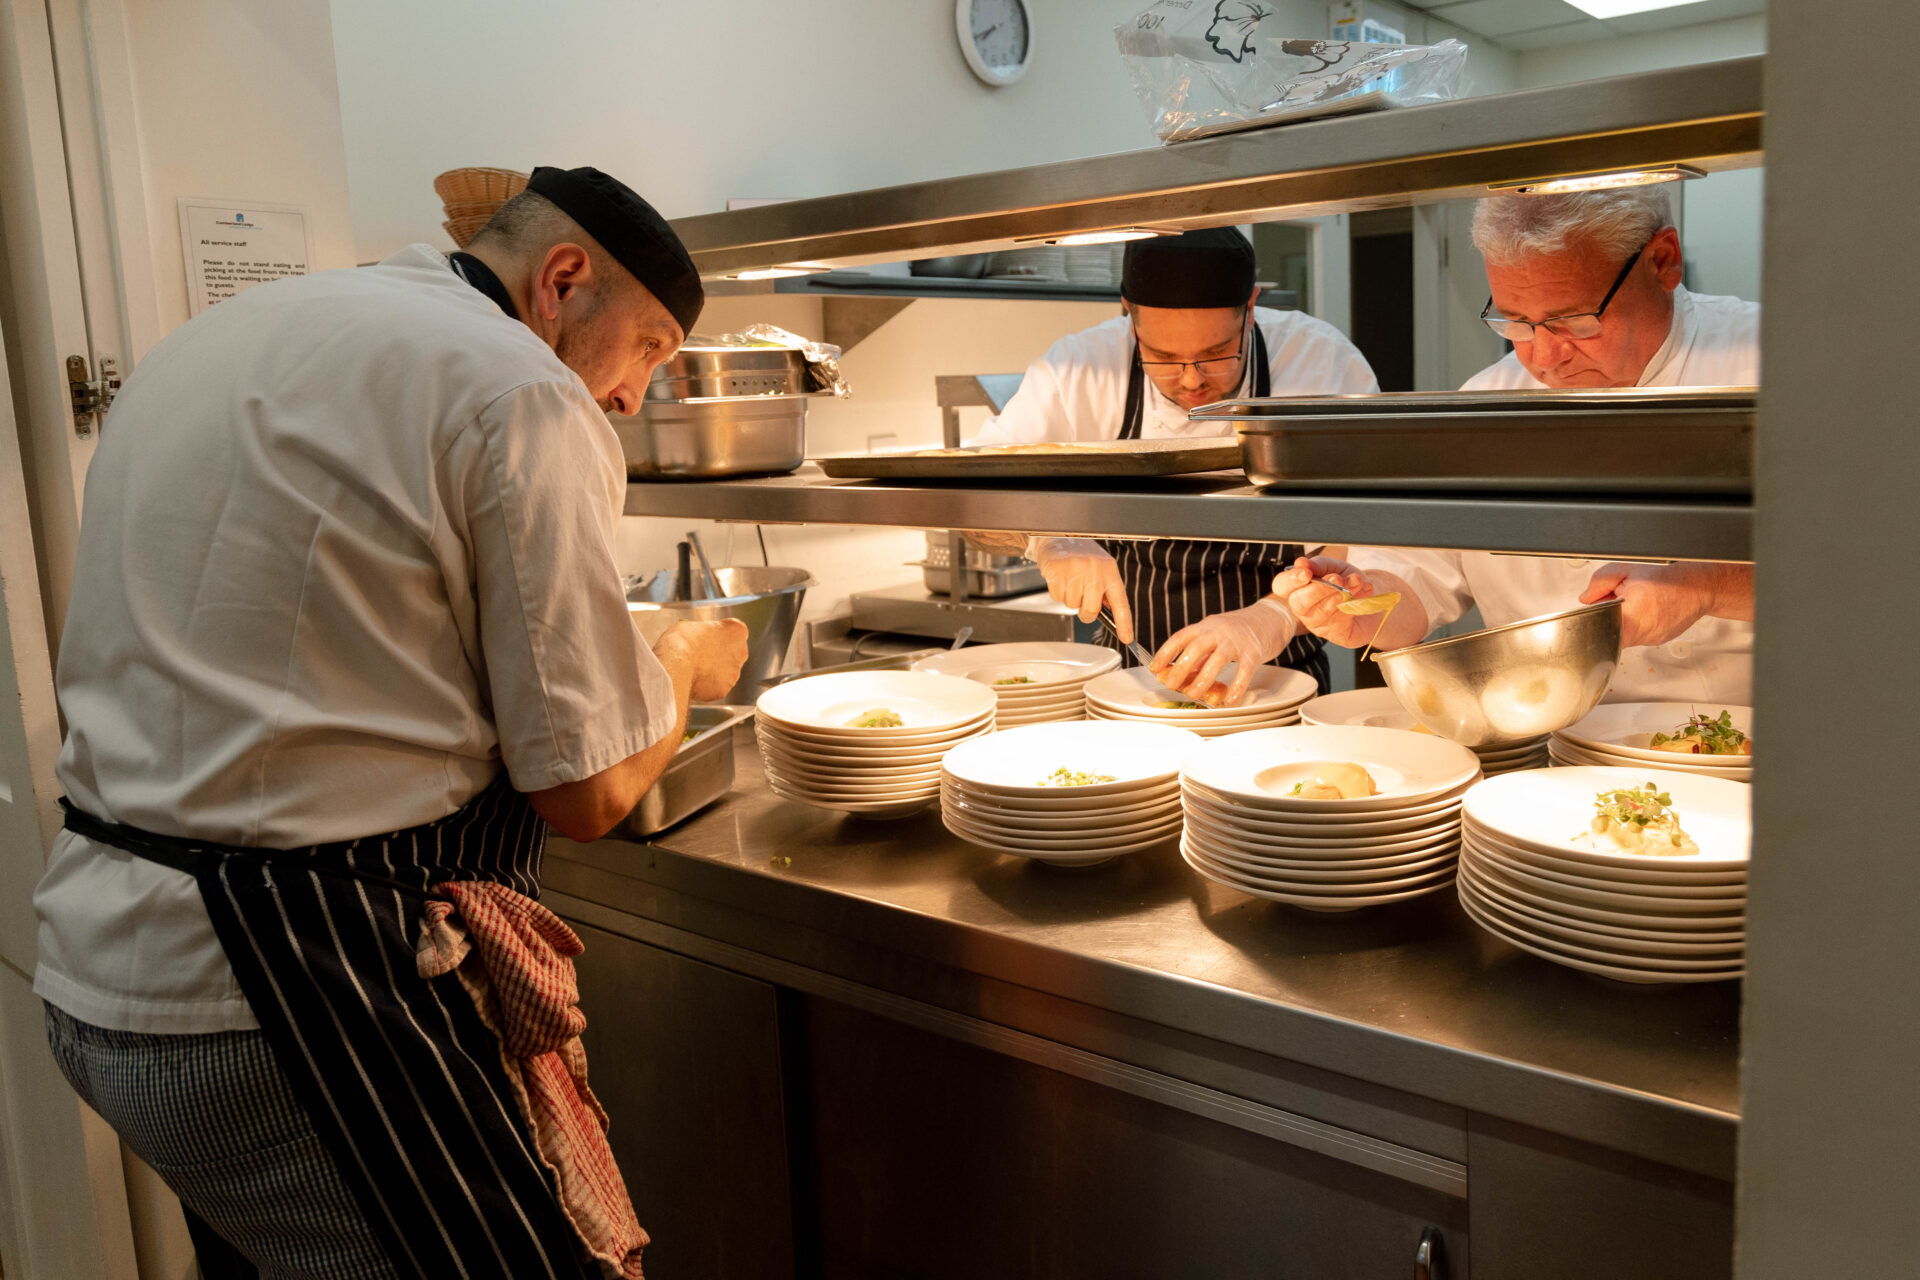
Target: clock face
[{"x": 996, "y": 37}]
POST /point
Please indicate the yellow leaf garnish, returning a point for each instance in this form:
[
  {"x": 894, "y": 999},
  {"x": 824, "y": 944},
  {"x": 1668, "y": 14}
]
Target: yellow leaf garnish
[{"x": 1370, "y": 604}]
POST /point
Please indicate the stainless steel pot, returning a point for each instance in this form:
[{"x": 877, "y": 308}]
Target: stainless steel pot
[
  {"x": 767, "y": 600},
  {"x": 706, "y": 439},
  {"x": 705, "y": 373}
]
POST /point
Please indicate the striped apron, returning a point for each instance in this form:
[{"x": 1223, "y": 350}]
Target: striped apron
[
  {"x": 1173, "y": 582},
  {"x": 396, "y": 1071}
]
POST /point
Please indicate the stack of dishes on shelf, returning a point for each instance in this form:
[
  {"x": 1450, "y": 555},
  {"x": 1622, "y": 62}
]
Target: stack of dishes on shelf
[
  {"x": 1071, "y": 794},
  {"x": 1533, "y": 873},
  {"x": 867, "y": 742},
  {"x": 1253, "y": 824},
  {"x": 1272, "y": 700},
  {"x": 1380, "y": 709},
  {"x": 1033, "y": 681},
  {"x": 1621, "y": 733}
]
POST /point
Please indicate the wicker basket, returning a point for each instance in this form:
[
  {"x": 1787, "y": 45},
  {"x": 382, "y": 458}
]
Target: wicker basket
[
  {"x": 463, "y": 230},
  {"x": 457, "y": 186},
  {"x": 472, "y": 208}
]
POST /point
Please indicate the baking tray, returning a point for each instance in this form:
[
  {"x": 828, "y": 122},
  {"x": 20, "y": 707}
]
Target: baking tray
[
  {"x": 1634, "y": 441},
  {"x": 701, "y": 772},
  {"x": 1088, "y": 460}
]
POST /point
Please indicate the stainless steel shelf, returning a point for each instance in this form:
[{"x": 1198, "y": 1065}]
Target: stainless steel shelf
[
  {"x": 861, "y": 284},
  {"x": 1707, "y": 115},
  {"x": 1221, "y": 505}
]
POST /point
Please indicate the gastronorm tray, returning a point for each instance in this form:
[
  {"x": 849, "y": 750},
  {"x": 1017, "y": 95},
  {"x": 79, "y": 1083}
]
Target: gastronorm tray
[
  {"x": 701, "y": 772},
  {"x": 1687, "y": 440},
  {"x": 1090, "y": 459}
]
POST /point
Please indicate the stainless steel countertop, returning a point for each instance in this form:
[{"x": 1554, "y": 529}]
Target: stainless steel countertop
[{"x": 1412, "y": 996}]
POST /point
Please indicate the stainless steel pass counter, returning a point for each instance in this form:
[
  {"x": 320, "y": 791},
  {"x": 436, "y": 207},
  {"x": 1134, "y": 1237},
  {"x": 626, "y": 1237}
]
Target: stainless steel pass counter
[{"x": 829, "y": 1042}]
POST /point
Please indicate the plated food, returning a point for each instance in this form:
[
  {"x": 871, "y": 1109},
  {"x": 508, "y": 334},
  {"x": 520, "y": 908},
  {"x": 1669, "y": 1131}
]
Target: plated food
[
  {"x": 1033, "y": 682},
  {"x": 1272, "y": 699},
  {"x": 1712, "y": 741},
  {"x": 877, "y": 718},
  {"x": 1343, "y": 781},
  {"x": 1704, "y": 735},
  {"x": 1641, "y": 820},
  {"x": 1065, "y": 777}
]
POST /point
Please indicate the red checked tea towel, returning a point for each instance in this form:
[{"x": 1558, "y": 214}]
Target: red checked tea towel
[{"x": 515, "y": 959}]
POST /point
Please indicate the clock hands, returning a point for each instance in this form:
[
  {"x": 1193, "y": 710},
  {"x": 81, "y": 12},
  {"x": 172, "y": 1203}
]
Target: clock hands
[{"x": 982, "y": 35}]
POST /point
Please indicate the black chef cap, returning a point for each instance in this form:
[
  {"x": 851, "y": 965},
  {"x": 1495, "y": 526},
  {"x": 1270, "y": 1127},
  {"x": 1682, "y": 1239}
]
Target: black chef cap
[
  {"x": 1210, "y": 268},
  {"x": 629, "y": 229}
]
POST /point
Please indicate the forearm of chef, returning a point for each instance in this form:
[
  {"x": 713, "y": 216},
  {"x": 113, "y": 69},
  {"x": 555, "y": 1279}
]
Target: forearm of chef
[
  {"x": 587, "y": 809},
  {"x": 1732, "y": 591}
]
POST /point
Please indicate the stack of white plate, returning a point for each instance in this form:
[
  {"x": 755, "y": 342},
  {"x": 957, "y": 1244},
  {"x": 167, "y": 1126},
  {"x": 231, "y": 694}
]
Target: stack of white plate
[
  {"x": 812, "y": 754},
  {"x": 1530, "y": 875},
  {"x": 993, "y": 793},
  {"x": 1273, "y": 699},
  {"x": 1034, "y": 681},
  {"x": 1379, "y": 709},
  {"x": 1245, "y": 829},
  {"x": 1617, "y": 733}
]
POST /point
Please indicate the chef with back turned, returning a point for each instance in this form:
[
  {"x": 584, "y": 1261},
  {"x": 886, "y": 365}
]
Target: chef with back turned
[
  {"x": 1190, "y": 335},
  {"x": 346, "y": 636}
]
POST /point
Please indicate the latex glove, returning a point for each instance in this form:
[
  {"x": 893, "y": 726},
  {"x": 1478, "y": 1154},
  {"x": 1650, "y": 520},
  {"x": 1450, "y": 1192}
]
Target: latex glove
[
  {"x": 1308, "y": 589},
  {"x": 1658, "y": 602},
  {"x": 1081, "y": 575},
  {"x": 1193, "y": 657}
]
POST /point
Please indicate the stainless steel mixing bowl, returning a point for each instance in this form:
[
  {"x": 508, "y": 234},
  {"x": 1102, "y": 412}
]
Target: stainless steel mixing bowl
[
  {"x": 766, "y": 599},
  {"x": 1508, "y": 684}
]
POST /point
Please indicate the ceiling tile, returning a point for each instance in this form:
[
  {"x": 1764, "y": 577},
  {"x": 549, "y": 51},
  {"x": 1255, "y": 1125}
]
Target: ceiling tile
[{"x": 1500, "y": 18}]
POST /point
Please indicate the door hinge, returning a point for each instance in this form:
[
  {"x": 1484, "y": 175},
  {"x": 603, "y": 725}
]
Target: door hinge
[{"x": 91, "y": 396}]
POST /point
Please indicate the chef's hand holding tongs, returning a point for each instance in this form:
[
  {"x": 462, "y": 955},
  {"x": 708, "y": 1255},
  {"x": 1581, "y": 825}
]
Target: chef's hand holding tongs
[{"x": 1081, "y": 575}]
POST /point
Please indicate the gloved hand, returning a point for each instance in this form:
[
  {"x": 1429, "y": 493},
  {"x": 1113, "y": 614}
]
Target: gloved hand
[
  {"x": 1308, "y": 589},
  {"x": 1660, "y": 601},
  {"x": 1081, "y": 575},
  {"x": 1193, "y": 657}
]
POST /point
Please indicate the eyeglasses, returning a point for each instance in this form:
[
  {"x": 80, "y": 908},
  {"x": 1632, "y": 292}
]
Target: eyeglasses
[
  {"x": 1211, "y": 369},
  {"x": 1585, "y": 325}
]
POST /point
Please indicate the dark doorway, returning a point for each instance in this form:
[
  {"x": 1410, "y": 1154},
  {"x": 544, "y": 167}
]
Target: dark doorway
[{"x": 1382, "y": 277}]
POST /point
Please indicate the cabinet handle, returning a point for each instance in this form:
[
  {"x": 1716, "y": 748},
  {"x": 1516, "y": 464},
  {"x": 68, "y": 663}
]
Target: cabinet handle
[{"x": 1427, "y": 1258}]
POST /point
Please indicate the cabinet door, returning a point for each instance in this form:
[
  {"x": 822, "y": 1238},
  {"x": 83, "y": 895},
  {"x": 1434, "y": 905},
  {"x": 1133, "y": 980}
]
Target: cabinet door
[
  {"x": 930, "y": 1158},
  {"x": 686, "y": 1060},
  {"x": 1547, "y": 1206}
]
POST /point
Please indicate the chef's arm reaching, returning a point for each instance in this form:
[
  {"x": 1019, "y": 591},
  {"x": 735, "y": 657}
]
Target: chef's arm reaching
[
  {"x": 1660, "y": 601},
  {"x": 1309, "y": 588},
  {"x": 703, "y": 660}
]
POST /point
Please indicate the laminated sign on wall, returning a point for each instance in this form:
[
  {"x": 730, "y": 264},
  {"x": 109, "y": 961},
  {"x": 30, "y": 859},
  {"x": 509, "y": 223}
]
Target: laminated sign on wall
[{"x": 231, "y": 247}]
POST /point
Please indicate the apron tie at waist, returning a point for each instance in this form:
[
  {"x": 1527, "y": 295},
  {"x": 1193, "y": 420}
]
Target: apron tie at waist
[{"x": 515, "y": 960}]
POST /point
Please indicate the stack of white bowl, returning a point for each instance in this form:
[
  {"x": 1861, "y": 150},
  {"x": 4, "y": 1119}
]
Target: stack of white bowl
[
  {"x": 1382, "y": 710},
  {"x": 1056, "y": 676},
  {"x": 1272, "y": 700},
  {"x": 1245, "y": 829},
  {"x": 813, "y": 755},
  {"x": 1530, "y": 874},
  {"x": 993, "y": 796},
  {"x": 1617, "y": 733}
]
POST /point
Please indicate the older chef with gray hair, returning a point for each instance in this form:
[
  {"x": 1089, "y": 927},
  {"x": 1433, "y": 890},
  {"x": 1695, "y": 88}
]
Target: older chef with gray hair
[{"x": 1587, "y": 288}]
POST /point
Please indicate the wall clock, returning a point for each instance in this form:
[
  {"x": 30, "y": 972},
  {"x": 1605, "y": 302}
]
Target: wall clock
[{"x": 996, "y": 38}]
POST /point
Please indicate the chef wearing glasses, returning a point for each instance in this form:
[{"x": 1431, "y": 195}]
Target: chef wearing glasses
[
  {"x": 1587, "y": 289},
  {"x": 1190, "y": 335}
]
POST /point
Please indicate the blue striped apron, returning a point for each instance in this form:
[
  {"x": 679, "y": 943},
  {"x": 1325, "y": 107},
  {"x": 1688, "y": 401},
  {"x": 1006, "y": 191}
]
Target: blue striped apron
[
  {"x": 1173, "y": 582},
  {"x": 396, "y": 1071}
]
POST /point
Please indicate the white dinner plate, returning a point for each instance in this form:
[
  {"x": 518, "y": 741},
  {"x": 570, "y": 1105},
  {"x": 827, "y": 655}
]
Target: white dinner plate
[
  {"x": 864, "y": 739},
  {"x": 1260, "y": 768},
  {"x": 906, "y": 759},
  {"x": 1254, "y": 843},
  {"x": 1566, "y": 753},
  {"x": 1659, "y": 899},
  {"x": 1331, "y": 877},
  {"x": 1646, "y": 913},
  {"x": 1599, "y": 875},
  {"x": 1135, "y": 692},
  {"x": 1070, "y": 799},
  {"x": 1319, "y": 825},
  {"x": 1550, "y": 809},
  {"x": 1047, "y": 663},
  {"x": 1622, "y": 970},
  {"x": 897, "y": 808},
  {"x": 1065, "y": 857},
  {"x": 917, "y": 779},
  {"x": 1380, "y": 709},
  {"x": 926, "y": 702},
  {"x": 1625, "y": 728},
  {"x": 1312, "y": 902},
  {"x": 1020, "y": 837},
  {"x": 1621, "y": 935},
  {"x": 1563, "y": 932},
  {"x": 989, "y": 814},
  {"x": 1013, "y": 762}
]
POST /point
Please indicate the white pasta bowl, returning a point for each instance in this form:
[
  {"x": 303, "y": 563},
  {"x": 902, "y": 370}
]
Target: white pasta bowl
[
  {"x": 1549, "y": 810},
  {"x": 1624, "y": 731},
  {"x": 928, "y": 705},
  {"x": 1135, "y": 692},
  {"x": 1046, "y": 666},
  {"x": 1015, "y": 762},
  {"x": 1259, "y": 769}
]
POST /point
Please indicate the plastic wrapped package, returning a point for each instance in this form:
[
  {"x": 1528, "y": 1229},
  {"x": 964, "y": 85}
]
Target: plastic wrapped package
[
  {"x": 823, "y": 358},
  {"x": 1220, "y": 65}
]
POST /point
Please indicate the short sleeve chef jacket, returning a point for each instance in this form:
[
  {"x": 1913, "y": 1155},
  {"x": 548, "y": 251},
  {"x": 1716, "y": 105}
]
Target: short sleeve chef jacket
[
  {"x": 1078, "y": 389},
  {"x": 1714, "y": 341},
  {"x": 346, "y": 555}
]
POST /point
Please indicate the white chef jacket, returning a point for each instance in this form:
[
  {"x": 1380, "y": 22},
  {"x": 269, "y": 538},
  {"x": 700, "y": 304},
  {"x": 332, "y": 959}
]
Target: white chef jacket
[
  {"x": 1714, "y": 341},
  {"x": 1078, "y": 389},
  {"x": 347, "y": 553}
]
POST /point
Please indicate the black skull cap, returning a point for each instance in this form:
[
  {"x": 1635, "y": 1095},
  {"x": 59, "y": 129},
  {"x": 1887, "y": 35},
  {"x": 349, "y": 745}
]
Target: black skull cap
[
  {"x": 631, "y": 231},
  {"x": 1209, "y": 268}
]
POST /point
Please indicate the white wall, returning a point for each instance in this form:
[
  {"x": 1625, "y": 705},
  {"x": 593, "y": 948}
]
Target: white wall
[{"x": 1720, "y": 223}]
